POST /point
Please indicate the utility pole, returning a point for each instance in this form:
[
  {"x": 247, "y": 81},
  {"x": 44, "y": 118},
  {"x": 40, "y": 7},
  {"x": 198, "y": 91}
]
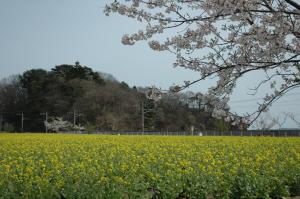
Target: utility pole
[
  {"x": 1, "y": 121},
  {"x": 143, "y": 118},
  {"x": 46, "y": 120},
  {"x": 22, "y": 121},
  {"x": 74, "y": 117},
  {"x": 143, "y": 115}
]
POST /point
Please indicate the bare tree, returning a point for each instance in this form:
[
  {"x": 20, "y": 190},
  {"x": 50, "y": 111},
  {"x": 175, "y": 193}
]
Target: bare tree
[
  {"x": 265, "y": 122},
  {"x": 293, "y": 117},
  {"x": 280, "y": 121}
]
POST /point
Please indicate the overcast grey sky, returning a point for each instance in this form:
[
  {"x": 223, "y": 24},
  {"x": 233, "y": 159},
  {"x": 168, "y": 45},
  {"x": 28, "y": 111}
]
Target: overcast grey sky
[{"x": 42, "y": 34}]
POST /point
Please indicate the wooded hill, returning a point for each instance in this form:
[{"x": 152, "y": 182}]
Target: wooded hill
[{"x": 96, "y": 101}]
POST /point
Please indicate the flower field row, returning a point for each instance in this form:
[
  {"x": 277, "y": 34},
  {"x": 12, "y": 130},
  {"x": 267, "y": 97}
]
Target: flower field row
[{"x": 97, "y": 166}]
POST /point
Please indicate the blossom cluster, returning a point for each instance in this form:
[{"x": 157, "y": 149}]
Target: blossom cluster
[{"x": 223, "y": 38}]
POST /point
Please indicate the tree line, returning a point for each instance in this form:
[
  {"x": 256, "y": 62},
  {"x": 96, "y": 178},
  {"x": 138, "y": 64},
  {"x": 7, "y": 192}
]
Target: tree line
[{"x": 97, "y": 102}]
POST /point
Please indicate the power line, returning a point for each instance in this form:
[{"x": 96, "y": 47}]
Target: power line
[
  {"x": 273, "y": 105},
  {"x": 277, "y": 102},
  {"x": 261, "y": 98}
]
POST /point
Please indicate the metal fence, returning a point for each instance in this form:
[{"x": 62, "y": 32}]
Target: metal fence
[{"x": 270, "y": 133}]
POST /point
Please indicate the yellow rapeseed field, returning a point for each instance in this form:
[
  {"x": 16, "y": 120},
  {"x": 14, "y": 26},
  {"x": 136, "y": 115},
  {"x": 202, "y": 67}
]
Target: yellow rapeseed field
[{"x": 111, "y": 166}]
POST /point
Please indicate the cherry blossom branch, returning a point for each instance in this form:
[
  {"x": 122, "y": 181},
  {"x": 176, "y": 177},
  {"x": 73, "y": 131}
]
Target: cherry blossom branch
[
  {"x": 255, "y": 35},
  {"x": 266, "y": 105},
  {"x": 256, "y": 88}
]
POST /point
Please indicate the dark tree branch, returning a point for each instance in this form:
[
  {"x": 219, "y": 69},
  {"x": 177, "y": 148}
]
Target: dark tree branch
[{"x": 293, "y": 3}]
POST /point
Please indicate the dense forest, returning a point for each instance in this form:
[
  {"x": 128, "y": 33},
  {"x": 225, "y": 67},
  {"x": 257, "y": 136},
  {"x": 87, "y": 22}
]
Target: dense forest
[{"x": 96, "y": 101}]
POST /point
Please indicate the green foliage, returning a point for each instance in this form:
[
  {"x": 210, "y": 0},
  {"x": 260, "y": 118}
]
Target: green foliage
[
  {"x": 90, "y": 128},
  {"x": 104, "y": 104},
  {"x": 69, "y": 72},
  {"x": 221, "y": 125},
  {"x": 7, "y": 127}
]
